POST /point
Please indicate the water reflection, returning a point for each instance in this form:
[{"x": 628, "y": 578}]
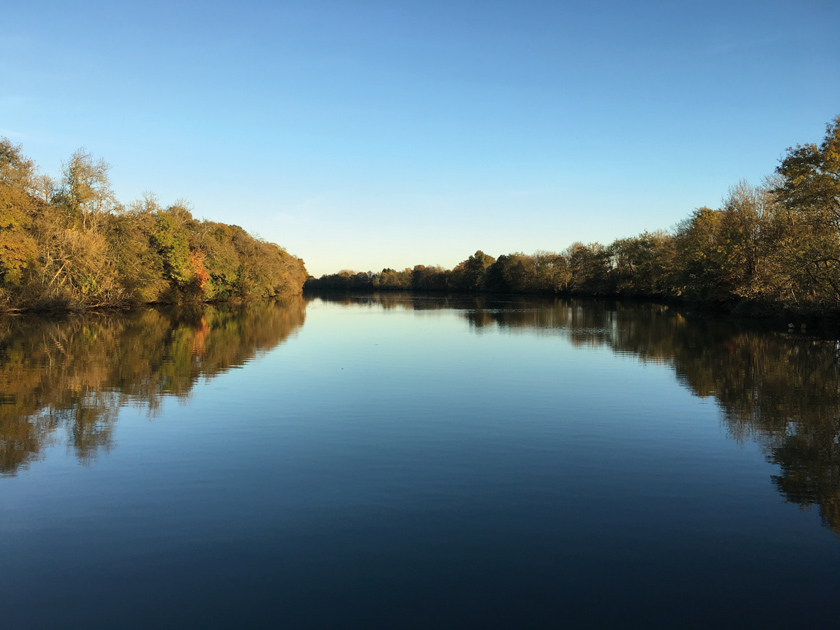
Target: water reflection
[
  {"x": 781, "y": 390},
  {"x": 75, "y": 373}
]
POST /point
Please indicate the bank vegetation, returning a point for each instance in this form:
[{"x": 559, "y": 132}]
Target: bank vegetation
[
  {"x": 68, "y": 244},
  {"x": 767, "y": 249}
]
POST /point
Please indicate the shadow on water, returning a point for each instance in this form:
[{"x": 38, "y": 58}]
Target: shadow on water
[
  {"x": 75, "y": 373},
  {"x": 778, "y": 389}
]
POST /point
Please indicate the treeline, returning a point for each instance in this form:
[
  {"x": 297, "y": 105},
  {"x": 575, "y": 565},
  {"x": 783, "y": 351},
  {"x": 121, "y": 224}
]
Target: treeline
[
  {"x": 69, "y": 244},
  {"x": 768, "y": 247}
]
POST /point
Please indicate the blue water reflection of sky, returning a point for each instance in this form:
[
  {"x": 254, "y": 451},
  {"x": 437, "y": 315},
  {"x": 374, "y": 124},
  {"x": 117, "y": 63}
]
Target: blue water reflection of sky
[{"x": 400, "y": 465}]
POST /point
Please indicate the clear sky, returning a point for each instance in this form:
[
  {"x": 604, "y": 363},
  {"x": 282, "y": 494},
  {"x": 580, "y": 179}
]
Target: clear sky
[{"x": 376, "y": 134}]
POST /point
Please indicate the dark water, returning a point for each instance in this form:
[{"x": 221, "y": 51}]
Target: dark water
[{"x": 422, "y": 463}]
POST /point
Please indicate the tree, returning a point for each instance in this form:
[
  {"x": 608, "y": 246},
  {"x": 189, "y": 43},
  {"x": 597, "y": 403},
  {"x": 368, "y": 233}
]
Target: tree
[
  {"x": 642, "y": 265},
  {"x": 469, "y": 275},
  {"x": 750, "y": 234},
  {"x": 810, "y": 192},
  {"x": 552, "y": 271},
  {"x": 513, "y": 273},
  {"x": 811, "y": 176},
  {"x": 85, "y": 189},
  {"x": 701, "y": 253},
  {"x": 16, "y": 170},
  {"x": 17, "y": 249},
  {"x": 171, "y": 238},
  {"x": 589, "y": 267}
]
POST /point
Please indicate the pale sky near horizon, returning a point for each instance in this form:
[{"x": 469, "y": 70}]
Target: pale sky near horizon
[{"x": 365, "y": 135}]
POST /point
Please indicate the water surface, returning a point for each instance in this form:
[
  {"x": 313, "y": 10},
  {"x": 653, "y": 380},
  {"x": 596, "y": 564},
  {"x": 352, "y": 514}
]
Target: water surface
[{"x": 416, "y": 462}]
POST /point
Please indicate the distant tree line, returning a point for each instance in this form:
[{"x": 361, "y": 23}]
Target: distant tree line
[
  {"x": 69, "y": 244},
  {"x": 772, "y": 246}
]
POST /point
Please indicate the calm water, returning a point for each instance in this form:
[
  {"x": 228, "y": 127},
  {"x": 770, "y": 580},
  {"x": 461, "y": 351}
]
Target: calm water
[{"x": 423, "y": 463}]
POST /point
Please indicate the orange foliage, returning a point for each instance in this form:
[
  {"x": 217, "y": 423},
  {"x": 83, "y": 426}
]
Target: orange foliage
[{"x": 199, "y": 272}]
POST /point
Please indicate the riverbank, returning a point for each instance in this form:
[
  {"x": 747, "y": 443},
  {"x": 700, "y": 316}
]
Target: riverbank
[{"x": 69, "y": 244}]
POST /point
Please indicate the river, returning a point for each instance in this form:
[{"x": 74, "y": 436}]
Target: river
[{"x": 396, "y": 462}]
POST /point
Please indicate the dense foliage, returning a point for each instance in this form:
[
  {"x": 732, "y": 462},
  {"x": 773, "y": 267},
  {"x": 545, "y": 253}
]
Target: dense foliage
[
  {"x": 71, "y": 244},
  {"x": 767, "y": 247}
]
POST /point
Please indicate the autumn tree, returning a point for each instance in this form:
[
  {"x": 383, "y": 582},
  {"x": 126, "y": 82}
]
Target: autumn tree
[
  {"x": 810, "y": 192},
  {"x": 552, "y": 270},
  {"x": 811, "y": 177},
  {"x": 642, "y": 265},
  {"x": 85, "y": 188},
  {"x": 17, "y": 249},
  {"x": 70, "y": 244}
]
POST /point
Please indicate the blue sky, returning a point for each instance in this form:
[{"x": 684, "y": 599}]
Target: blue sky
[{"x": 365, "y": 135}]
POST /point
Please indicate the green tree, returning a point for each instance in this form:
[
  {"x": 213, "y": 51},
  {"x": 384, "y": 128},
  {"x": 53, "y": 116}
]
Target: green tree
[
  {"x": 513, "y": 273},
  {"x": 702, "y": 273},
  {"x": 589, "y": 266},
  {"x": 470, "y": 274},
  {"x": 811, "y": 176},
  {"x": 810, "y": 192},
  {"x": 171, "y": 238}
]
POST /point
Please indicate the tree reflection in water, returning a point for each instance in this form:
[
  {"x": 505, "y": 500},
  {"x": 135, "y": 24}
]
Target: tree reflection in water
[
  {"x": 75, "y": 373},
  {"x": 780, "y": 390}
]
